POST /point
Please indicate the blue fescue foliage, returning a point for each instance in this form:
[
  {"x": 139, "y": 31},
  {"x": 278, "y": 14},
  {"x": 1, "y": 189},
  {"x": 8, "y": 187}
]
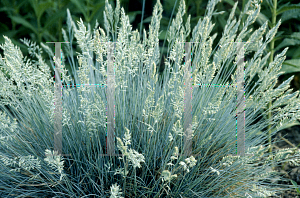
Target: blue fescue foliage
[{"x": 148, "y": 115}]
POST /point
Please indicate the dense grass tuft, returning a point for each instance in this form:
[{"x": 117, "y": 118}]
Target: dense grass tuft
[{"x": 149, "y": 115}]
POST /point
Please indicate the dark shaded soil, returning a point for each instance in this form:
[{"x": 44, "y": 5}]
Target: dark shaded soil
[{"x": 292, "y": 135}]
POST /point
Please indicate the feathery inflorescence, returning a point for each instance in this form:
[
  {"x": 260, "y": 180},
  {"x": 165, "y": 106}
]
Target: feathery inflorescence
[{"x": 149, "y": 115}]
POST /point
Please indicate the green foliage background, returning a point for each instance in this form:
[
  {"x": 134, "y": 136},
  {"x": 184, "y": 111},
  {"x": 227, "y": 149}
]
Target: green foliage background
[{"x": 43, "y": 20}]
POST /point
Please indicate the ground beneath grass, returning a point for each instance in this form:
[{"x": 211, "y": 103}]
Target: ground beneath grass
[{"x": 289, "y": 138}]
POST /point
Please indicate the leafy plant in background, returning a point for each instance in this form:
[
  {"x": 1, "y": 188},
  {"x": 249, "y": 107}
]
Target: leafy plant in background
[
  {"x": 295, "y": 184},
  {"x": 43, "y": 20},
  {"x": 91, "y": 11},
  {"x": 53, "y": 11},
  {"x": 287, "y": 12},
  {"x": 47, "y": 13},
  {"x": 148, "y": 115},
  {"x": 290, "y": 38}
]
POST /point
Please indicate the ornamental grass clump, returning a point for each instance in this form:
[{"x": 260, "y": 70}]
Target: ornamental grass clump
[{"x": 149, "y": 113}]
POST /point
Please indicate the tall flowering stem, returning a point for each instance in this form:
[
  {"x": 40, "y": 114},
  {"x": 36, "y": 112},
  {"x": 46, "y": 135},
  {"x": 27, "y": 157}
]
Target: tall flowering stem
[{"x": 271, "y": 60}]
